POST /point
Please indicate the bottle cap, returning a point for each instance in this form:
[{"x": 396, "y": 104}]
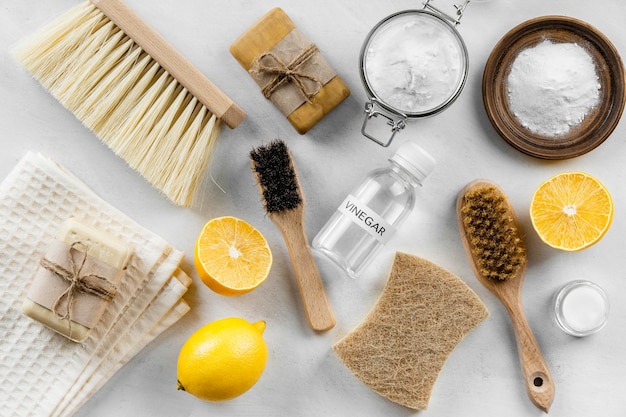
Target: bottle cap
[{"x": 414, "y": 159}]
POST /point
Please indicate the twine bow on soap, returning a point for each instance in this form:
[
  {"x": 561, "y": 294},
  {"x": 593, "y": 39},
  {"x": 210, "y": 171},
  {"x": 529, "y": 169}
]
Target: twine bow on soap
[
  {"x": 91, "y": 284},
  {"x": 283, "y": 73}
]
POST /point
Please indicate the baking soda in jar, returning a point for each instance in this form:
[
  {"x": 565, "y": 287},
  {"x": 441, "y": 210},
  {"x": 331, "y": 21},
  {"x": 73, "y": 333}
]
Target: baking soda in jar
[{"x": 413, "y": 64}]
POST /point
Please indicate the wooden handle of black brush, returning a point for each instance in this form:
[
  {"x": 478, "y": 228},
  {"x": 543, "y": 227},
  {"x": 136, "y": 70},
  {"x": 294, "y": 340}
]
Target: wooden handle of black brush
[
  {"x": 317, "y": 308},
  {"x": 222, "y": 106}
]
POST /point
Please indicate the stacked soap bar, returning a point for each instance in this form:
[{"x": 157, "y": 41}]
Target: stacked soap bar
[
  {"x": 44, "y": 372},
  {"x": 77, "y": 277}
]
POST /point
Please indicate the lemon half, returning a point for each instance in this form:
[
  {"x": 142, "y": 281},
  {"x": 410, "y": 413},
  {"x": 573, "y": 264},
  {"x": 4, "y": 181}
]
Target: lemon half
[
  {"x": 231, "y": 256},
  {"x": 571, "y": 211}
]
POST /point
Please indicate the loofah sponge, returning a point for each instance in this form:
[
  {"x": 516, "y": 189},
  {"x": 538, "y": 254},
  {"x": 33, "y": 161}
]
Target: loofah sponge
[{"x": 400, "y": 347}]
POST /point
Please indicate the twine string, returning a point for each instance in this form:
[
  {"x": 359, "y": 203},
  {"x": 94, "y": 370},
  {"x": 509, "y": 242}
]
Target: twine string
[
  {"x": 101, "y": 286},
  {"x": 288, "y": 73}
]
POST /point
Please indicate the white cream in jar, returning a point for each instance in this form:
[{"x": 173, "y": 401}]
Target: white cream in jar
[{"x": 581, "y": 308}]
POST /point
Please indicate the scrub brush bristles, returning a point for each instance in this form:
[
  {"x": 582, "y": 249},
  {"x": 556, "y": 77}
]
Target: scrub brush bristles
[
  {"x": 277, "y": 177},
  {"x": 493, "y": 236}
]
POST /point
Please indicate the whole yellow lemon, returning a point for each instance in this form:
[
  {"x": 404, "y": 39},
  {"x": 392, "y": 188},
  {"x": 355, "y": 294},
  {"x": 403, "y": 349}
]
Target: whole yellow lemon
[{"x": 223, "y": 359}]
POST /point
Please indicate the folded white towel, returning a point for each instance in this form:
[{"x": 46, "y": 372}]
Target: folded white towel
[{"x": 44, "y": 373}]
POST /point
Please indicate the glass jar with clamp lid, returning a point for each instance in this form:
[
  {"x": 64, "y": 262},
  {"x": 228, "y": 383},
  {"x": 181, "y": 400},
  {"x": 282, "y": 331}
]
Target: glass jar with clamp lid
[{"x": 413, "y": 64}]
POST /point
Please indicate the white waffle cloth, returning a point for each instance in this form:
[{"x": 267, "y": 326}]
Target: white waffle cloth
[{"x": 43, "y": 373}]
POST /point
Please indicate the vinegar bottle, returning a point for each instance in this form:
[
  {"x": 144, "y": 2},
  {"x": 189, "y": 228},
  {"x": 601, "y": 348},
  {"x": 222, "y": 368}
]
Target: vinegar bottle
[{"x": 371, "y": 213}]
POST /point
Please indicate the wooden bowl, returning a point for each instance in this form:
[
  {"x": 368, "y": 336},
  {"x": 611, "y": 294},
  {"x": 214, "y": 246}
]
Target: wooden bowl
[{"x": 597, "y": 125}]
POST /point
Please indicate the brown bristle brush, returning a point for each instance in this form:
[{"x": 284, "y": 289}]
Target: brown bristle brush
[
  {"x": 493, "y": 241},
  {"x": 134, "y": 90},
  {"x": 284, "y": 204}
]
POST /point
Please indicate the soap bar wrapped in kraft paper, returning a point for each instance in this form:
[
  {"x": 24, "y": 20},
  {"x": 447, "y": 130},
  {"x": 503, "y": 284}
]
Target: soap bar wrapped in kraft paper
[
  {"x": 76, "y": 278},
  {"x": 290, "y": 70}
]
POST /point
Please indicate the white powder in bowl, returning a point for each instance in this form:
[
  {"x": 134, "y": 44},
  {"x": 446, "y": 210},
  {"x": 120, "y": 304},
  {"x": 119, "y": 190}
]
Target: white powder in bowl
[
  {"x": 414, "y": 63},
  {"x": 552, "y": 87}
]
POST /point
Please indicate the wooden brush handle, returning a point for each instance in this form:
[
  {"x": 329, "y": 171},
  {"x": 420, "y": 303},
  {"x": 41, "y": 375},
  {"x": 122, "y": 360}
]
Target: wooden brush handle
[
  {"x": 537, "y": 377},
  {"x": 317, "y": 308},
  {"x": 173, "y": 61}
]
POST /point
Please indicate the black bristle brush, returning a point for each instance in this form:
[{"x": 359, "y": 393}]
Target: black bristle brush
[
  {"x": 494, "y": 243},
  {"x": 284, "y": 204}
]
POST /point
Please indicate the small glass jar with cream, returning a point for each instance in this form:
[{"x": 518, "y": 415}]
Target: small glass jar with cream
[
  {"x": 413, "y": 64},
  {"x": 581, "y": 308}
]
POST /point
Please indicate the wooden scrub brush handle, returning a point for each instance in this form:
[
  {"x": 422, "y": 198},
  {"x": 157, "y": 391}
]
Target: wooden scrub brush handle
[
  {"x": 317, "y": 308},
  {"x": 537, "y": 376},
  {"x": 172, "y": 61}
]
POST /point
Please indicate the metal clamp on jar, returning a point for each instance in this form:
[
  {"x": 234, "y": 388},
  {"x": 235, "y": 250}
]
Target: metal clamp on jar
[{"x": 413, "y": 64}]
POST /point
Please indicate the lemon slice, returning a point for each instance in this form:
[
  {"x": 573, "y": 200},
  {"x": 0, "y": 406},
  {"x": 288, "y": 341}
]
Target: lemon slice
[
  {"x": 231, "y": 256},
  {"x": 571, "y": 211}
]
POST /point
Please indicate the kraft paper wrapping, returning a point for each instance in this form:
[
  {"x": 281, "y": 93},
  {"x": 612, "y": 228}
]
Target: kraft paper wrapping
[
  {"x": 290, "y": 70},
  {"x": 313, "y": 73},
  {"x": 48, "y": 287},
  {"x": 41, "y": 368}
]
